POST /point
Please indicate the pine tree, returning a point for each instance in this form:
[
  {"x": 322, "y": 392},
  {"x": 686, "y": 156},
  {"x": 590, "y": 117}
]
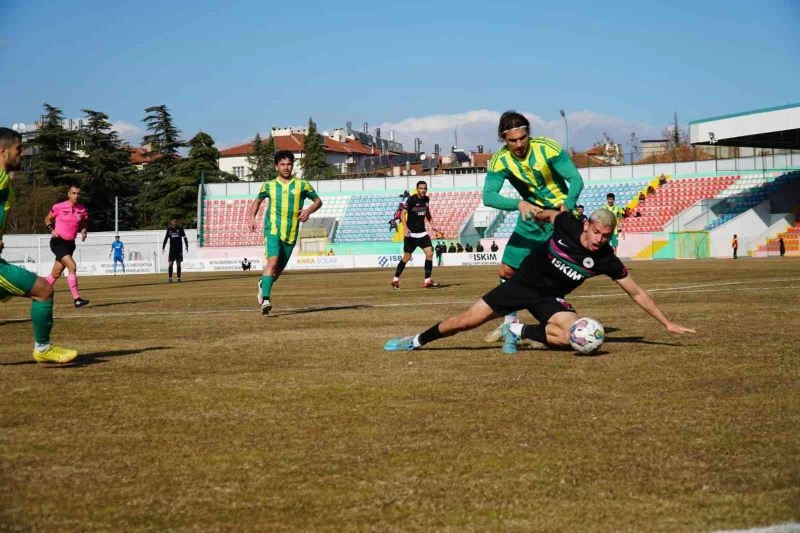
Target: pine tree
[
  {"x": 261, "y": 160},
  {"x": 178, "y": 191},
  {"x": 315, "y": 167},
  {"x": 107, "y": 172},
  {"x": 162, "y": 142},
  {"x": 55, "y": 163}
]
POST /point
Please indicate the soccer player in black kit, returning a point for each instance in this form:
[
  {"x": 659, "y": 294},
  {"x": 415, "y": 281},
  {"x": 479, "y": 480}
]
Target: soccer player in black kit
[
  {"x": 576, "y": 251},
  {"x": 174, "y": 235},
  {"x": 415, "y": 212}
]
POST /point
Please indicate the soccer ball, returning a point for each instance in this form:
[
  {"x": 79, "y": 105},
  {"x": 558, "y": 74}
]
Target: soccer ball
[{"x": 586, "y": 335}]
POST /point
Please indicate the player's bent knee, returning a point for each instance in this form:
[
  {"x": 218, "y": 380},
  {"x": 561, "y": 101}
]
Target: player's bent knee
[{"x": 41, "y": 290}]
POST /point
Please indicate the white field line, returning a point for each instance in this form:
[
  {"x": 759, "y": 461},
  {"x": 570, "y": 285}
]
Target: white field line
[{"x": 686, "y": 289}]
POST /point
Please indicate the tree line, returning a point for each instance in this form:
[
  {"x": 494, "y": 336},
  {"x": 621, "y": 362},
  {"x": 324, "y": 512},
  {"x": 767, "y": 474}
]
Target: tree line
[{"x": 99, "y": 161}]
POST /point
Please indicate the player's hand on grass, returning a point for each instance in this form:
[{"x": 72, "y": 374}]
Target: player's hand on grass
[{"x": 677, "y": 328}]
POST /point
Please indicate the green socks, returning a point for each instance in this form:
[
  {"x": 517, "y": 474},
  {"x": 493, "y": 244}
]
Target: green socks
[
  {"x": 42, "y": 318},
  {"x": 266, "y": 286}
]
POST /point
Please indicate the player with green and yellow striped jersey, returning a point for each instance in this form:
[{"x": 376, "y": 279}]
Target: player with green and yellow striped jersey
[
  {"x": 282, "y": 220},
  {"x": 17, "y": 281},
  {"x": 619, "y": 214},
  {"x": 543, "y": 175}
]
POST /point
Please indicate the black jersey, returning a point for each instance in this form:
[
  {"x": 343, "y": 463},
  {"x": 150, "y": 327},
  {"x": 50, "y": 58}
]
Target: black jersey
[
  {"x": 174, "y": 236},
  {"x": 418, "y": 211},
  {"x": 564, "y": 264}
]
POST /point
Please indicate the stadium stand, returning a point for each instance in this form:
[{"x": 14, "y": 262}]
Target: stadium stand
[
  {"x": 672, "y": 198},
  {"x": 363, "y": 218},
  {"x": 747, "y": 193},
  {"x": 791, "y": 241},
  {"x": 226, "y": 224},
  {"x": 366, "y": 217}
]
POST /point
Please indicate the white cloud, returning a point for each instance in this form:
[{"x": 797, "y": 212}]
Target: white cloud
[
  {"x": 131, "y": 133},
  {"x": 480, "y": 127}
]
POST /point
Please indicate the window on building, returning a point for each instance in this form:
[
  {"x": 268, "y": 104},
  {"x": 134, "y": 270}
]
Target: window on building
[{"x": 239, "y": 172}]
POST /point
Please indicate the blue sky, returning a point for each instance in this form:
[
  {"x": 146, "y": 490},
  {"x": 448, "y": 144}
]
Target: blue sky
[{"x": 422, "y": 69}]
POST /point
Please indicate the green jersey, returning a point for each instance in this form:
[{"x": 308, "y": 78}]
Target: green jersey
[
  {"x": 281, "y": 218},
  {"x": 6, "y": 200},
  {"x": 618, "y": 214},
  {"x": 545, "y": 176}
]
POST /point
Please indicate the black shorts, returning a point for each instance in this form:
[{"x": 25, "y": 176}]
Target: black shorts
[
  {"x": 176, "y": 255},
  {"x": 60, "y": 247},
  {"x": 515, "y": 294},
  {"x": 412, "y": 243}
]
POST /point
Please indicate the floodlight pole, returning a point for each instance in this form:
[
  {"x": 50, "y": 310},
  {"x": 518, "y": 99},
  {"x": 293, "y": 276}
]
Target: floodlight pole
[{"x": 566, "y": 127}]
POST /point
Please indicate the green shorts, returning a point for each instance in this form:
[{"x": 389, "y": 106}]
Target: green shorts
[
  {"x": 280, "y": 249},
  {"x": 527, "y": 237},
  {"x": 614, "y": 240},
  {"x": 15, "y": 281}
]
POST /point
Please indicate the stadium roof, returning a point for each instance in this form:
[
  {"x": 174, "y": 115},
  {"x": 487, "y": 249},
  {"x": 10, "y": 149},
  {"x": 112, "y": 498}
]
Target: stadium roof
[{"x": 772, "y": 127}]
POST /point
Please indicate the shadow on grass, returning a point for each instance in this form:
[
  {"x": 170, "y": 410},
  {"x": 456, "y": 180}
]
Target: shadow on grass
[
  {"x": 641, "y": 340},
  {"x": 465, "y": 348},
  {"x": 320, "y": 309},
  {"x": 91, "y": 358}
]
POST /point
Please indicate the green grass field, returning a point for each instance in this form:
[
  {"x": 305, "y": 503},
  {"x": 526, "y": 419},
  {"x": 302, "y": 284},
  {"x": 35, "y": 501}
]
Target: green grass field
[{"x": 188, "y": 410}]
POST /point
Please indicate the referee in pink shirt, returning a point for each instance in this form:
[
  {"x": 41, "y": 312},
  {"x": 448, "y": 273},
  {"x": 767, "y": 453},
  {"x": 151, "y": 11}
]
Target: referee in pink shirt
[{"x": 64, "y": 221}]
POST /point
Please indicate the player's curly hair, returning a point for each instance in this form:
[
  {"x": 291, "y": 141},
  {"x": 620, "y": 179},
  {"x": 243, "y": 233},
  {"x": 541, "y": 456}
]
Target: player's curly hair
[{"x": 511, "y": 120}]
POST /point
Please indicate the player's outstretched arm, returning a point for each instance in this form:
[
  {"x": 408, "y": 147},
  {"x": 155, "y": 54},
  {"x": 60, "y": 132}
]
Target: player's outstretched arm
[
  {"x": 253, "y": 213},
  {"x": 643, "y": 300}
]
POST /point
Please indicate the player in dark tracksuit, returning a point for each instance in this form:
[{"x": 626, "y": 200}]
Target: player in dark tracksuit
[{"x": 174, "y": 235}]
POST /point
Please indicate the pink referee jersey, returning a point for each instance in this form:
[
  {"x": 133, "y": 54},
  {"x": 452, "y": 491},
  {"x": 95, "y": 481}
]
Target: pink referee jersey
[{"x": 68, "y": 219}]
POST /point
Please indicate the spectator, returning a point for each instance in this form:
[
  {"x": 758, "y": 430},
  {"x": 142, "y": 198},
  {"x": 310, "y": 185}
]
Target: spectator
[
  {"x": 642, "y": 197},
  {"x": 451, "y": 249},
  {"x": 468, "y": 248},
  {"x": 393, "y": 225},
  {"x": 246, "y": 264},
  {"x": 330, "y": 252},
  {"x": 459, "y": 248},
  {"x": 781, "y": 246},
  {"x": 439, "y": 250},
  {"x": 637, "y": 214},
  {"x": 494, "y": 247},
  {"x": 650, "y": 190},
  {"x": 580, "y": 215},
  {"x": 735, "y": 245},
  {"x": 479, "y": 247},
  {"x": 662, "y": 179}
]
